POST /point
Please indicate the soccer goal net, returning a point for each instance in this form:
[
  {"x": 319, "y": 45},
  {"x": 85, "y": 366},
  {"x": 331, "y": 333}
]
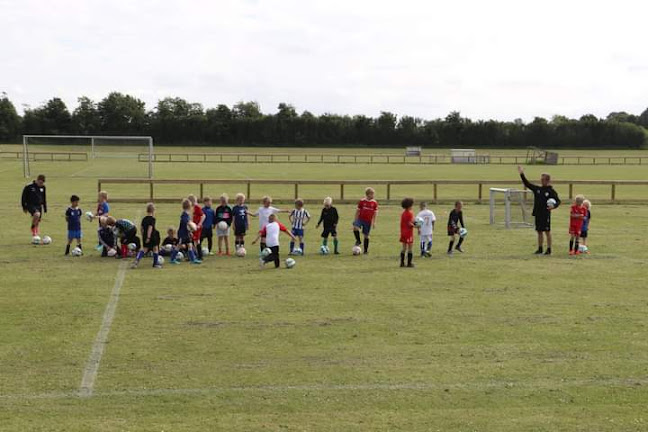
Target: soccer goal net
[
  {"x": 95, "y": 151},
  {"x": 510, "y": 207}
]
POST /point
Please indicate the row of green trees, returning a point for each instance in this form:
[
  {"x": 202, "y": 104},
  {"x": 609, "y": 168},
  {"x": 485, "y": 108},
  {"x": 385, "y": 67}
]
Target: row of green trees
[{"x": 174, "y": 121}]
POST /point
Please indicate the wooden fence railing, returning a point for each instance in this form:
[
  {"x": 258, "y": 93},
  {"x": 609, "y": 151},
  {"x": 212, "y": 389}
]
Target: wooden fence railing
[
  {"x": 62, "y": 156},
  {"x": 433, "y": 196},
  {"x": 432, "y": 159}
]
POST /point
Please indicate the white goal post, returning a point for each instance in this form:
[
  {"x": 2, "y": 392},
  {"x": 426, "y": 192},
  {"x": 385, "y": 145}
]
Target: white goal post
[
  {"x": 93, "y": 141},
  {"x": 517, "y": 207}
]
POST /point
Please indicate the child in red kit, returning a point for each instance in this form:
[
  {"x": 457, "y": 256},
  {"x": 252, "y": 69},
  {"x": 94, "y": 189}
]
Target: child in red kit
[
  {"x": 407, "y": 232},
  {"x": 577, "y": 215}
]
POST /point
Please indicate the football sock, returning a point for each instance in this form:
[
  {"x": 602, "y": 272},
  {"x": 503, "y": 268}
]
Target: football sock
[
  {"x": 192, "y": 255},
  {"x": 140, "y": 255},
  {"x": 324, "y": 242},
  {"x": 576, "y": 246},
  {"x": 292, "y": 246},
  {"x": 571, "y": 245},
  {"x": 548, "y": 252},
  {"x": 79, "y": 246},
  {"x": 460, "y": 241},
  {"x": 429, "y": 246},
  {"x": 156, "y": 257},
  {"x": 357, "y": 237},
  {"x": 409, "y": 258},
  {"x": 262, "y": 246},
  {"x": 174, "y": 254},
  {"x": 539, "y": 250},
  {"x": 450, "y": 245},
  {"x": 199, "y": 251},
  {"x": 402, "y": 258},
  {"x": 366, "y": 245},
  {"x": 301, "y": 246},
  {"x": 124, "y": 251},
  {"x": 67, "y": 250},
  {"x": 335, "y": 244},
  {"x": 422, "y": 247}
]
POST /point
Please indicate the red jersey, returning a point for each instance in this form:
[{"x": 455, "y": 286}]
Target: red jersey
[
  {"x": 197, "y": 215},
  {"x": 576, "y": 216},
  {"x": 367, "y": 210},
  {"x": 407, "y": 227}
]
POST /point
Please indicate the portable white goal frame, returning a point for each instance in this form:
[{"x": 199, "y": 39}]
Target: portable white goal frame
[
  {"x": 508, "y": 194},
  {"x": 93, "y": 154}
]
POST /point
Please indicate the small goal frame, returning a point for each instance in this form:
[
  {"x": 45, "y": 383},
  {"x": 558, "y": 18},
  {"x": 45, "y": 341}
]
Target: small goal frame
[
  {"x": 92, "y": 138},
  {"x": 508, "y": 193}
]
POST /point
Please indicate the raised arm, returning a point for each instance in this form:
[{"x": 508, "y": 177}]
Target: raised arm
[{"x": 526, "y": 182}]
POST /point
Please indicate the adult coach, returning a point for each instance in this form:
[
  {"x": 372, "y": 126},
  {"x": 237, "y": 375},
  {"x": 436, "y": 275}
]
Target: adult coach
[
  {"x": 541, "y": 210},
  {"x": 34, "y": 202}
]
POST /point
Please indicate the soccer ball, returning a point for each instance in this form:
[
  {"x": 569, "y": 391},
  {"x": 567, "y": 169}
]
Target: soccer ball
[
  {"x": 265, "y": 252},
  {"x": 89, "y": 216},
  {"x": 551, "y": 203},
  {"x": 47, "y": 240},
  {"x": 36, "y": 240},
  {"x": 179, "y": 256},
  {"x": 168, "y": 247},
  {"x": 160, "y": 260},
  {"x": 582, "y": 248},
  {"x": 297, "y": 251},
  {"x": 356, "y": 250},
  {"x": 112, "y": 252},
  {"x": 418, "y": 222},
  {"x": 241, "y": 252},
  {"x": 76, "y": 252},
  {"x": 192, "y": 226},
  {"x": 324, "y": 250},
  {"x": 205, "y": 251},
  {"x": 222, "y": 225},
  {"x": 290, "y": 263},
  {"x": 132, "y": 246},
  {"x": 463, "y": 232}
]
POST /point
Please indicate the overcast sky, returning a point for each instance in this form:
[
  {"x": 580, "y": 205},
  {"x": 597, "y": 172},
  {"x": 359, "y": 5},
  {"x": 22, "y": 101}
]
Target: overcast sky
[{"x": 488, "y": 59}]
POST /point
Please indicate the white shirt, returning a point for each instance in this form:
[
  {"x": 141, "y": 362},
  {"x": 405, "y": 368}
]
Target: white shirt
[
  {"x": 272, "y": 231},
  {"x": 264, "y": 213},
  {"x": 428, "y": 219}
]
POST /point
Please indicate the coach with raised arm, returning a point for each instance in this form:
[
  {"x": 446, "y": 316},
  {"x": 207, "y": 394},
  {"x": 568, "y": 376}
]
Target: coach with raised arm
[
  {"x": 34, "y": 202},
  {"x": 545, "y": 199}
]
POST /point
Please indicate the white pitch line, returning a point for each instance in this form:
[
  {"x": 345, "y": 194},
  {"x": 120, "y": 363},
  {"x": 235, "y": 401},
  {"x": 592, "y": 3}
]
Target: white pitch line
[{"x": 92, "y": 365}]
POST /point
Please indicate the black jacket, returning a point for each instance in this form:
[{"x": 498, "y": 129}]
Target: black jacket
[
  {"x": 541, "y": 195},
  {"x": 34, "y": 196}
]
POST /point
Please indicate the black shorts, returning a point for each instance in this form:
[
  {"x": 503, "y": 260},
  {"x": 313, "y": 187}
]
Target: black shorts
[
  {"x": 206, "y": 233},
  {"x": 130, "y": 236},
  {"x": 452, "y": 230},
  {"x": 543, "y": 222},
  {"x": 33, "y": 209},
  {"x": 329, "y": 231},
  {"x": 185, "y": 240},
  {"x": 154, "y": 242},
  {"x": 240, "y": 231},
  {"x": 584, "y": 234}
]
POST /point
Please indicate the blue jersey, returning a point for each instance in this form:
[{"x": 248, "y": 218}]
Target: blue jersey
[
  {"x": 240, "y": 215},
  {"x": 102, "y": 209},
  {"x": 586, "y": 221},
  {"x": 209, "y": 217},
  {"x": 73, "y": 217},
  {"x": 183, "y": 229}
]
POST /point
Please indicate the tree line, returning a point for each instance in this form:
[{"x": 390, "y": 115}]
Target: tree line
[{"x": 175, "y": 121}]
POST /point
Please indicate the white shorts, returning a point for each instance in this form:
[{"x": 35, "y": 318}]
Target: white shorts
[
  {"x": 426, "y": 238},
  {"x": 222, "y": 233}
]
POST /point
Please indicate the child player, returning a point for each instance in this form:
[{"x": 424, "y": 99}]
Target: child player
[
  {"x": 73, "y": 219},
  {"x": 454, "y": 220},
  {"x": 207, "y": 231},
  {"x": 329, "y": 218},
  {"x": 577, "y": 214},
  {"x": 264, "y": 213},
  {"x": 198, "y": 217},
  {"x": 150, "y": 237},
  {"x": 170, "y": 242},
  {"x": 586, "y": 222},
  {"x": 126, "y": 231},
  {"x": 271, "y": 235},
  {"x": 107, "y": 239},
  {"x": 103, "y": 209},
  {"x": 34, "y": 202},
  {"x": 365, "y": 218},
  {"x": 240, "y": 221},
  {"x": 426, "y": 229},
  {"x": 407, "y": 232},
  {"x": 223, "y": 214},
  {"x": 299, "y": 217},
  {"x": 185, "y": 237}
]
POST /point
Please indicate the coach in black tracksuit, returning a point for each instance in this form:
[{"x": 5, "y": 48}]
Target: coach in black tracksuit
[
  {"x": 541, "y": 210},
  {"x": 34, "y": 201}
]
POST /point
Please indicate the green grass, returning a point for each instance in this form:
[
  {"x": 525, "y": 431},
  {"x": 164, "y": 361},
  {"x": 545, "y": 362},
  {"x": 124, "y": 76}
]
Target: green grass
[{"x": 496, "y": 339}]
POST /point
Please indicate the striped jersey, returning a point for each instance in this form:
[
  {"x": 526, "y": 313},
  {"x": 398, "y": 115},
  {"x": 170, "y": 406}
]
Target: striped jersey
[{"x": 298, "y": 217}]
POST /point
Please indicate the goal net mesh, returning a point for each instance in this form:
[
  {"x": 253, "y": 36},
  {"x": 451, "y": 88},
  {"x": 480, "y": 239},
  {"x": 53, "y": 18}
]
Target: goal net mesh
[{"x": 511, "y": 207}]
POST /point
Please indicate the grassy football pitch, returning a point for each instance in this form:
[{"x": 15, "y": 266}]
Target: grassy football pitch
[{"x": 494, "y": 339}]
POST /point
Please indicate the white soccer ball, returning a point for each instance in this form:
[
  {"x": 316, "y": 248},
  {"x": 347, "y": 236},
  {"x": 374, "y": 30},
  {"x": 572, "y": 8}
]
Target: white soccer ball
[
  {"x": 356, "y": 250},
  {"x": 222, "y": 225},
  {"x": 168, "y": 247},
  {"x": 192, "y": 226},
  {"x": 179, "y": 256},
  {"x": 205, "y": 251},
  {"x": 77, "y": 252},
  {"x": 290, "y": 263},
  {"x": 324, "y": 250},
  {"x": 583, "y": 248},
  {"x": 89, "y": 216},
  {"x": 418, "y": 222},
  {"x": 551, "y": 203},
  {"x": 132, "y": 246},
  {"x": 266, "y": 252},
  {"x": 36, "y": 240},
  {"x": 47, "y": 240},
  {"x": 112, "y": 252},
  {"x": 297, "y": 251},
  {"x": 241, "y": 252},
  {"x": 463, "y": 232},
  {"x": 160, "y": 260}
]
